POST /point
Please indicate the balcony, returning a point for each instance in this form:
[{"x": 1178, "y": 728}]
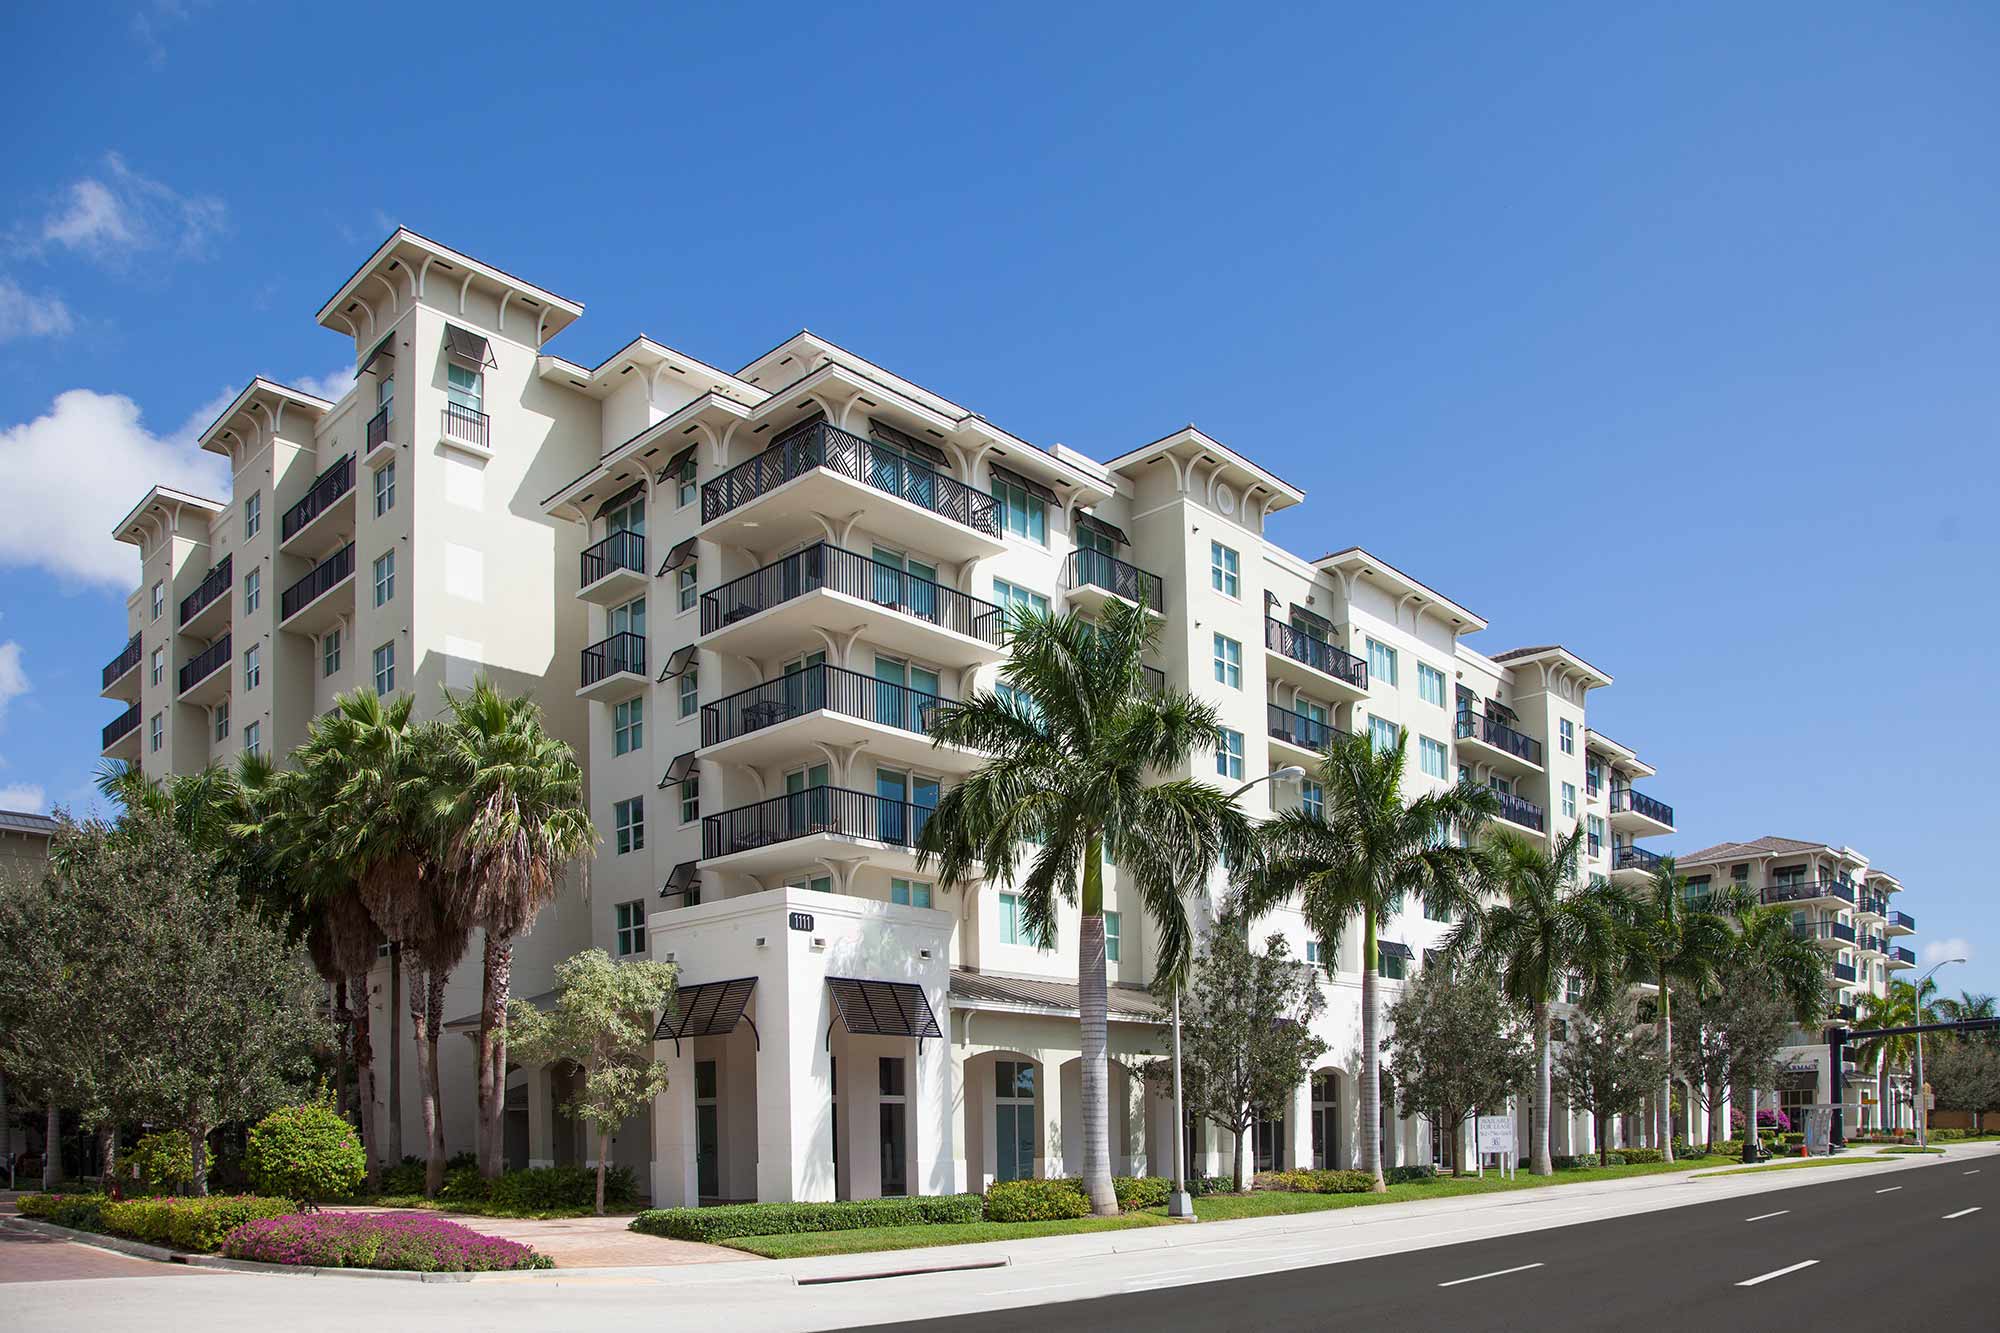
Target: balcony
[
  {"x": 377, "y": 435},
  {"x": 1521, "y": 811},
  {"x": 614, "y": 668},
  {"x": 1306, "y": 659},
  {"x": 769, "y": 501},
  {"x": 827, "y": 588},
  {"x": 1493, "y": 742},
  {"x": 614, "y": 570},
  {"x": 1866, "y": 943},
  {"x": 1870, "y": 905},
  {"x": 1830, "y": 934},
  {"x": 1844, "y": 972},
  {"x": 1301, "y": 737},
  {"x": 118, "y": 668},
  {"x": 466, "y": 428},
  {"x": 1630, "y": 864},
  {"x": 121, "y": 736},
  {"x": 316, "y": 602},
  {"x": 794, "y": 829},
  {"x": 1899, "y": 923},
  {"x": 205, "y": 677},
  {"x": 206, "y": 609},
  {"x": 798, "y": 712},
  {"x": 1636, "y": 813},
  {"x": 1094, "y": 578},
  {"x": 1846, "y": 1013},
  {"x": 1900, "y": 957},
  {"x": 1808, "y": 891}
]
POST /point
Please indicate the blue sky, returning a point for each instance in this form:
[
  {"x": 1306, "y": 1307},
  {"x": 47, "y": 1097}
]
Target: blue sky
[{"x": 1667, "y": 334}]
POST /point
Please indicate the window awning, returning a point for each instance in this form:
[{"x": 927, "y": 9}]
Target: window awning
[
  {"x": 467, "y": 347},
  {"x": 677, "y": 462},
  {"x": 1312, "y": 620},
  {"x": 681, "y": 880},
  {"x": 1111, "y": 530},
  {"x": 1394, "y": 949},
  {"x": 903, "y": 440},
  {"x": 678, "y": 770},
  {"x": 384, "y": 350},
  {"x": 680, "y": 555},
  {"x": 677, "y": 664},
  {"x": 1028, "y": 484},
  {"x": 621, "y": 499},
  {"x": 712, "y": 1009},
  {"x": 882, "y": 1008}
]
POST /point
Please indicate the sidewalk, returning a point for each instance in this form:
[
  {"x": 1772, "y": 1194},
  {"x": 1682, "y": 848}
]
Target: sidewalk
[{"x": 584, "y": 1242}]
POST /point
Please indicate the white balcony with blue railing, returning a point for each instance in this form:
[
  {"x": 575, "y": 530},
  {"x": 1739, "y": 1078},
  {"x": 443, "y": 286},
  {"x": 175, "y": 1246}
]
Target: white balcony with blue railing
[{"x": 791, "y": 715}]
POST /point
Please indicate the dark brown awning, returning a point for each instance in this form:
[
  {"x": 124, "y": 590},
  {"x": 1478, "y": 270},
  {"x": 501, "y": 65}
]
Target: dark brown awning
[
  {"x": 712, "y": 1009},
  {"x": 882, "y": 1008},
  {"x": 384, "y": 350},
  {"x": 677, "y": 664},
  {"x": 1028, "y": 484},
  {"x": 902, "y": 439},
  {"x": 678, "y": 770},
  {"x": 467, "y": 347},
  {"x": 680, "y": 555},
  {"x": 621, "y": 499},
  {"x": 1111, "y": 530},
  {"x": 1393, "y": 949},
  {"x": 682, "y": 882},
  {"x": 677, "y": 462},
  {"x": 1312, "y": 621}
]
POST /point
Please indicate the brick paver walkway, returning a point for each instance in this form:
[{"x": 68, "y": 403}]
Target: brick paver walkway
[{"x": 590, "y": 1242}]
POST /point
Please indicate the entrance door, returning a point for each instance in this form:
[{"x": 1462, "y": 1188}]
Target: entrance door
[
  {"x": 892, "y": 677},
  {"x": 805, "y": 686},
  {"x": 894, "y": 1121},
  {"x": 1268, "y": 1144},
  {"x": 808, "y": 806},
  {"x": 1325, "y": 1122},
  {"x": 892, "y": 793},
  {"x": 707, "y": 1132},
  {"x": 1013, "y": 1120}
]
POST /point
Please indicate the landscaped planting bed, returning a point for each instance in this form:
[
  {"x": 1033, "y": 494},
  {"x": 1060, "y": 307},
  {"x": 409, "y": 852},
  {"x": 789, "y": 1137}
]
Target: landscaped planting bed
[
  {"x": 196, "y": 1225},
  {"x": 780, "y": 1219},
  {"x": 380, "y": 1241}
]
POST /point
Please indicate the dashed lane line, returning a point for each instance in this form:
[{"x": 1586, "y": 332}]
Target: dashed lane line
[
  {"x": 1481, "y": 1277},
  {"x": 1776, "y": 1272},
  {"x": 1963, "y": 1212},
  {"x": 1761, "y": 1217}
]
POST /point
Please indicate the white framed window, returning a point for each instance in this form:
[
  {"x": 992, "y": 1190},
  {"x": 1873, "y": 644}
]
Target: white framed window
[
  {"x": 156, "y": 732},
  {"x": 159, "y": 600},
  {"x": 1228, "y": 662},
  {"x": 1022, "y": 513},
  {"x": 1014, "y": 923},
  {"x": 1229, "y": 754},
  {"x": 159, "y": 665},
  {"x": 465, "y": 387},
  {"x": 222, "y": 721},
  {"x": 1430, "y": 684},
  {"x": 690, "y": 798},
  {"x": 385, "y": 578},
  {"x": 329, "y": 652},
  {"x": 631, "y": 919},
  {"x": 628, "y": 725},
  {"x": 1225, "y": 570},
  {"x": 684, "y": 488},
  {"x": 628, "y": 822},
  {"x": 690, "y": 693},
  {"x": 385, "y": 396},
  {"x": 385, "y": 488},
  {"x": 253, "y": 738},
  {"x": 1594, "y": 825},
  {"x": 1312, "y": 798},
  {"x": 1316, "y": 953},
  {"x": 1381, "y": 663},
  {"x": 685, "y": 592},
  {"x": 1567, "y": 730},
  {"x": 909, "y": 892},
  {"x": 1569, "y": 800},
  {"x": 253, "y": 590},
  {"x": 253, "y": 515},
  {"x": 1433, "y": 756},
  {"x": 385, "y": 669},
  {"x": 1382, "y": 734},
  {"x": 1392, "y": 966},
  {"x": 253, "y": 666},
  {"x": 1111, "y": 932},
  {"x": 1009, "y": 595}
]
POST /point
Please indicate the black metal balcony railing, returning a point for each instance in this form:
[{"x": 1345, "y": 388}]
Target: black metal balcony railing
[
  {"x": 118, "y": 728},
  {"x": 1625, "y": 799},
  {"x": 1902, "y": 955},
  {"x": 623, "y": 651},
  {"x": 1846, "y": 1013},
  {"x": 1843, "y": 972},
  {"x": 319, "y": 580},
  {"x": 1097, "y": 570},
  {"x": 204, "y": 663},
  {"x": 827, "y": 446},
  {"x": 837, "y": 570},
  {"x": 800, "y": 814},
  {"x": 1315, "y": 652},
  {"x": 1870, "y": 943},
  {"x": 1872, "y": 903},
  {"x": 1478, "y": 727},
  {"x": 621, "y": 550},
  {"x": 1634, "y": 858},
  {"x": 378, "y": 430},
  {"x": 1306, "y": 732},
  {"x": 1520, "y": 810},
  {"x": 327, "y": 487},
  {"x": 466, "y": 423},
  {"x": 213, "y": 585},
  {"x": 1804, "y": 890},
  {"x": 1838, "y": 932},
  {"x": 1903, "y": 919},
  {"x": 815, "y": 689},
  {"x": 1156, "y": 679},
  {"x": 127, "y": 658}
]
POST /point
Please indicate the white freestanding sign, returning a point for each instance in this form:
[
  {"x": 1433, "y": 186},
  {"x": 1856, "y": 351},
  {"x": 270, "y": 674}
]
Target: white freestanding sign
[{"x": 1495, "y": 1135}]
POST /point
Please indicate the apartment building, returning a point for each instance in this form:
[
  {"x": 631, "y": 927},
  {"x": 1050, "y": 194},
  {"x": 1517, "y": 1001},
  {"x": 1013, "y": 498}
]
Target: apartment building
[{"x": 1847, "y": 907}]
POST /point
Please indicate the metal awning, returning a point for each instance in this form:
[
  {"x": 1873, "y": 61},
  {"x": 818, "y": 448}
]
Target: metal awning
[
  {"x": 678, "y": 770},
  {"x": 682, "y": 882},
  {"x": 881, "y": 1009},
  {"x": 1395, "y": 949},
  {"x": 676, "y": 463},
  {"x": 1028, "y": 484},
  {"x": 621, "y": 499},
  {"x": 683, "y": 551},
  {"x": 384, "y": 350},
  {"x": 1313, "y": 619},
  {"x": 1111, "y": 530},
  {"x": 676, "y": 664},
  {"x": 909, "y": 443},
  {"x": 712, "y": 1009},
  {"x": 467, "y": 347}
]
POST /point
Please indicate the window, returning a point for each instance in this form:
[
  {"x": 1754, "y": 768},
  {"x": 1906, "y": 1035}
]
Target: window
[
  {"x": 685, "y": 593},
  {"x": 253, "y": 666},
  {"x": 385, "y": 577},
  {"x": 466, "y": 388},
  {"x": 1595, "y": 826},
  {"x": 1318, "y": 953},
  {"x": 1225, "y": 570},
  {"x": 631, "y": 928},
  {"x": 684, "y": 487},
  {"x": 909, "y": 893},
  {"x": 156, "y": 732},
  {"x": 1567, "y": 730},
  {"x": 628, "y": 821},
  {"x": 690, "y": 798},
  {"x": 222, "y": 721},
  {"x": 1022, "y": 513},
  {"x": 159, "y": 599},
  {"x": 253, "y": 514},
  {"x": 385, "y": 397},
  {"x": 1381, "y": 663},
  {"x": 329, "y": 653},
  {"x": 385, "y": 669},
  {"x": 1111, "y": 936},
  {"x": 1433, "y": 756},
  {"x": 1436, "y": 913},
  {"x": 159, "y": 667},
  {"x": 1558, "y": 1029},
  {"x": 253, "y": 590},
  {"x": 1382, "y": 733},
  {"x": 253, "y": 738},
  {"x": 1229, "y": 754},
  {"x": 1569, "y": 800},
  {"x": 385, "y": 488},
  {"x": 690, "y": 693},
  {"x": 1228, "y": 662},
  {"x": 1430, "y": 684},
  {"x": 1014, "y": 923},
  {"x": 1392, "y": 966},
  {"x": 628, "y": 725},
  {"x": 1012, "y": 595},
  {"x": 1593, "y": 776}
]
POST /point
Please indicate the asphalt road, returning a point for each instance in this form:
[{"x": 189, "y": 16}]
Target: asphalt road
[{"x": 1858, "y": 1250}]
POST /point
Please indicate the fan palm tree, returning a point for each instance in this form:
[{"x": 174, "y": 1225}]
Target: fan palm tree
[
  {"x": 1356, "y": 859},
  {"x": 1965, "y": 1007},
  {"x": 1671, "y": 941},
  {"x": 512, "y": 817},
  {"x": 1769, "y": 947},
  {"x": 1079, "y": 747},
  {"x": 1551, "y": 925},
  {"x": 1902, "y": 1006}
]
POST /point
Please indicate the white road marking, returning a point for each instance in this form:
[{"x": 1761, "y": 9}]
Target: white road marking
[
  {"x": 1777, "y": 1272},
  {"x": 1973, "y": 1172},
  {"x": 1761, "y": 1216},
  {"x": 1963, "y": 1212},
  {"x": 1891, "y": 1190},
  {"x": 1481, "y": 1277}
]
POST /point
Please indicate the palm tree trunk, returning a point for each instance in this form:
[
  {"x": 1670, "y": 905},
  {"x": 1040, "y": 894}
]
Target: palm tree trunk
[
  {"x": 420, "y": 1039},
  {"x": 1666, "y": 1064},
  {"x": 108, "y": 1153},
  {"x": 392, "y": 1137},
  {"x": 52, "y": 1149},
  {"x": 499, "y": 961},
  {"x": 1371, "y": 1059},
  {"x": 1092, "y": 1002},
  {"x": 434, "y": 1126},
  {"x": 364, "y": 1085},
  {"x": 343, "y": 1022},
  {"x": 1538, "y": 1141}
]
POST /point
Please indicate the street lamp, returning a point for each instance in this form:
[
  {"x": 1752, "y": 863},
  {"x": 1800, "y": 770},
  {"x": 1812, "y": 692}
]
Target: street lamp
[
  {"x": 1179, "y": 1204},
  {"x": 1917, "y": 1009}
]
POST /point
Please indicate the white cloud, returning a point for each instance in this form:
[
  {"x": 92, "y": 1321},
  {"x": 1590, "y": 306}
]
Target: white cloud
[
  {"x": 152, "y": 21},
  {"x": 117, "y": 213},
  {"x": 1937, "y": 951},
  {"x": 13, "y": 680},
  {"x": 25, "y": 314},
  {"x": 332, "y": 386},
  {"x": 23, "y": 796}
]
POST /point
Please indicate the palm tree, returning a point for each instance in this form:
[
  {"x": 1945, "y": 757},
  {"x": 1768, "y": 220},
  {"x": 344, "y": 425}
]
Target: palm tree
[
  {"x": 1902, "y": 1006},
  {"x": 1357, "y": 858},
  {"x": 1551, "y": 925},
  {"x": 512, "y": 817},
  {"x": 1669, "y": 941},
  {"x": 1965, "y": 1007},
  {"x": 1769, "y": 947},
  {"x": 1078, "y": 742}
]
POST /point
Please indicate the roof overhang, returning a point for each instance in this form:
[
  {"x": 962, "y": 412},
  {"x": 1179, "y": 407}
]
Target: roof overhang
[
  {"x": 268, "y": 396},
  {"x": 1189, "y": 446},
  {"x": 1558, "y": 657},
  {"x": 643, "y": 356},
  {"x": 164, "y": 499},
  {"x": 408, "y": 258},
  {"x": 1355, "y": 562},
  {"x": 1624, "y": 756}
]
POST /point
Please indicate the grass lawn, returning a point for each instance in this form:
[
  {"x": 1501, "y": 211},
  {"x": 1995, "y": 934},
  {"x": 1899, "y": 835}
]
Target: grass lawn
[
  {"x": 809, "y": 1244},
  {"x": 1910, "y": 1148},
  {"x": 1800, "y": 1164}
]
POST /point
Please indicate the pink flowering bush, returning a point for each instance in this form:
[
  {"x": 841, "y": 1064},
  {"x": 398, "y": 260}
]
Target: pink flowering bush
[{"x": 399, "y": 1241}]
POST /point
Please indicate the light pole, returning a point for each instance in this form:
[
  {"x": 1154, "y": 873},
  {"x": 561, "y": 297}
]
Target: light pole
[
  {"x": 1917, "y": 1009},
  {"x": 1179, "y": 1203}
]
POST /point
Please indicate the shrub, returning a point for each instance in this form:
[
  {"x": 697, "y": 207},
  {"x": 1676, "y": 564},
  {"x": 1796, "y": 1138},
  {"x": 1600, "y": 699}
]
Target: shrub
[
  {"x": 1949, "y": 1135},
  {"x": 463, "y": 1184},
  {"x": 305, "y": 1152},
  {"x": 1614, "y": 1159},
  {"x": 1410, "y": 1175},
  {"x": 1036, "y": 1200},
  {"x": 549, "y": 1188},
  {"x": 1317, "y": 1182},
  {"x": 1572, "y": 1161},
  {"x": 77, "y": 1211},
  {"x": 1136, "y": 1192},
  {"x": 776, "y": 1219},
  {"x": 405, "y": 1177},
  {"x": 164, "y": 1162},
  {"x": 198, "y": 1225},
  {"x": 1641, "y": 1156},
  {"x": 378, "y": 1240}
]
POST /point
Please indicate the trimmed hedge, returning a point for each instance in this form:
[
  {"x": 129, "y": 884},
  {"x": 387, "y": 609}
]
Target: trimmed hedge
[
  {"x": 544, "y": 1188},
  {"x": 729, "y": 1221},
  {"x": 1037, "y": 1200},
  {"x": 1410, "y": 1175},
  {"x": 1317, "y": 1181},
  {"x": 1641, "y": 1156},
  {"x": 80, "y": 1212},
  {"x": 197, "y": 1225}
]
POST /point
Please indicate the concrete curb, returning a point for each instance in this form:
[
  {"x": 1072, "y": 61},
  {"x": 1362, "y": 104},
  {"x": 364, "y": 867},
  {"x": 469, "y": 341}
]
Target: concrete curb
[{"x": 95, "y": 1239}]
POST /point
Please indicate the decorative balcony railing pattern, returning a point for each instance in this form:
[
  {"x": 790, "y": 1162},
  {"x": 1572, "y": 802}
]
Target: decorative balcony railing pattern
[
  {"x": 378, "y": 430},
  {"x": 320, "y": 580},
  {"x": 118, "y": 728},
  {"x": 1624, "y": 799},
  {"x": 205, "y": 663},
  {"x": 815, "y": 689},
  {"x": 1806, "y": 890},
  {"x": 1315, "y": 652},
  {"x": 623, "y": 651},
  {"x": 837, "y": 570},
  {"x": 800, "y": 814},
  {"x": 621, "y": 550},
  {"x": 1472, "y": 726},
  {"x": 213, "y": 585},
  {"x": 827, "y": 446},
  {"x": 1634, "y": 858},
  {"x": 1306, "y": 732},
  {"x": 1520, "y": 810},
  {"x": 127, "y": 658},
  {"x": 327, "y": 487},
  {"x": 1097, "y": 570},
  {"x": 466, "y": 423}
]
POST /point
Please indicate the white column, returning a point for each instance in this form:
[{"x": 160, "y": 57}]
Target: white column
[
  {"x": 931, "y": 1122},
  {"x": 794, "y": 1086},
  {"x": 541, "y": 1115},
  {"x": 1298, "y": 1127},
  {"x": 675, "y": 1184}
]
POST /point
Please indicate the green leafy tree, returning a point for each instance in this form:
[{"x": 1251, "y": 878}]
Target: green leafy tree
[
  {"x": 1079, "y": 743},
  {"x": 1730, "y": 1036},
  {"x": 307, "y": 1153},
  {"x": 1457, "y": 1044},
  {"x": 1608, "y": 1064},
  {"x": 1964, "y": 1074},
  {"x": 163, "y": 1162},
  {"x": 1771, "y": 957},
  {"x": 1902, "y": 1005},
  {"x": 1357, "y": 859},
  {"x": 603, "y": 1020}
]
